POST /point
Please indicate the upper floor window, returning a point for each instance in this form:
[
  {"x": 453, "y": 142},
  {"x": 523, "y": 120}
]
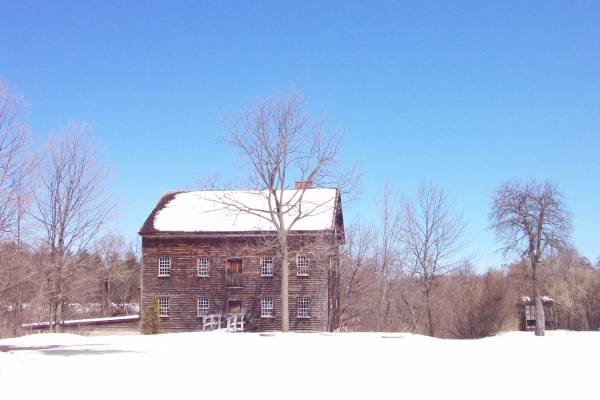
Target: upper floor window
[
  {"x": 163, "y": 306},
  {"x": 203, "y": 306},
  {"x": 202, "y": 266},
  {"x": 302, "y": 265},
  {"x": 303, "y": 307},
  {"x": 266, "y": 307},
  {"x": 266, "y": 266},
  {"x": 164, "y": 266}
]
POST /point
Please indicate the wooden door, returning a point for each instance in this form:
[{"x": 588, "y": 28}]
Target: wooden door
[
  {"x": 234, "y": 306},
  {"x": 233, "y": 273}
]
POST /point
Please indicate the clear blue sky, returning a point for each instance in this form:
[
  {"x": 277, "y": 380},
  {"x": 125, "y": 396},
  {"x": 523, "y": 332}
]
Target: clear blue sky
[{"x": 466, "y": 94}]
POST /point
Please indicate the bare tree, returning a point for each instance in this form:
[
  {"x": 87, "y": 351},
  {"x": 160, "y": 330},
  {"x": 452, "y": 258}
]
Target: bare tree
[
  {"x": 531, "y": 218},
  {"x": 71, "y": 207},
  {"x": 117, "y": 273},
  {"x": 387, "y": 253},
  {"x": 281, "y": 144},
  {"x": 15, "y": 164},
  {"x": 354, "y": 261},
  {"x": 430, "y": 238},
  {"x": 110, "y": 249}
]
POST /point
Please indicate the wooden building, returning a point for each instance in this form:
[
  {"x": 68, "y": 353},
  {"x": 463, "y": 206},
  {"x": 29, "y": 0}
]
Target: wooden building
[
  {"x": 527, "y": 316},
  {"x": 206, "y": 259}
]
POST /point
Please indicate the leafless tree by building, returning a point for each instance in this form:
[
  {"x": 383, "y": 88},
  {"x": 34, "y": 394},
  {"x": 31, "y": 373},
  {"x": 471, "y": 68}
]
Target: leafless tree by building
[
  {"x": 531, "y": 218},
  {"x": 281, "y": 144}
]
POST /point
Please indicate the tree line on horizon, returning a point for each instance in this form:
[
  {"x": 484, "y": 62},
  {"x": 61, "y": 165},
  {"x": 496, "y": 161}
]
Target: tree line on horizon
[{"x": 405, "y": 271}]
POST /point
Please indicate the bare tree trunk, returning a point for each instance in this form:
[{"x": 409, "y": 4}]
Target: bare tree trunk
[
  {"x": 382, "y": 301},
  {"x": 18, "y": 306},
  {"x": 413, "y": 319},
  {"x": 52, "y": 311},
  {"x": 59, "y": 314},
  {"x": 285, "y": 267},
  {"x": 428, "y": 307},
  {"x": 106, "y": 298},
  {"x": 540, "y": 318}
]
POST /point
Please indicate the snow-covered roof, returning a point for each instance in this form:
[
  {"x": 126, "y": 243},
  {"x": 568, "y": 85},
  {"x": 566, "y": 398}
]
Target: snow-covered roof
[
  {"x": 529, "y": 300},
  {"x": 241, "y": 211}
]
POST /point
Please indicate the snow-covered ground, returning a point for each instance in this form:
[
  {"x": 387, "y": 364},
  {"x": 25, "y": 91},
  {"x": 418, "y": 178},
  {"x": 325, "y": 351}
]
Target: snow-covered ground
[{"x": 515, "y": 365}]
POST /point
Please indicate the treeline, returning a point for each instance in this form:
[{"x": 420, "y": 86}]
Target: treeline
[
  {"x": 57, "y": 260},
  {"x": 405, "y": 272},
  {"x": 100, "y": 282}
]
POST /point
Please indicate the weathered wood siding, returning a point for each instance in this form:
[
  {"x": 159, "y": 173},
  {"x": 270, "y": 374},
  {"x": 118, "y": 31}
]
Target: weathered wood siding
[{"x": 184, "y": 287}]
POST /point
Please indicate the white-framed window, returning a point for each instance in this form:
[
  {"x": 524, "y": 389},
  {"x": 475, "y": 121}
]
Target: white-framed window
[
  {"x": 302, "y": 265},
  {"x": 266, "y": 307},
  {"x": 266, "y": 266},
  {"x": 303, "y": 307},
  {"x": 164, "y": 266},
  {"x": 203, "y": 306},
  {"x": 163, "y": 306},
  {"x": 202, "y": 266}
]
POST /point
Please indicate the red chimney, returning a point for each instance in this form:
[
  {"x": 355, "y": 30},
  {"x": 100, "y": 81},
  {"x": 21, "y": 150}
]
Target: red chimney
[{"x": 303, "y": 185}]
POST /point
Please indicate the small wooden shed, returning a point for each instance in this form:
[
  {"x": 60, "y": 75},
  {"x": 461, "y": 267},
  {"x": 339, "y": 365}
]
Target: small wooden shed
[{"x": 527, "y": 317}]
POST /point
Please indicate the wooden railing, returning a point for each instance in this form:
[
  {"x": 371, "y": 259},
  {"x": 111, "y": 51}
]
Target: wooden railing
[
  {"x": 235, "y": 322},
  {"x": 211, "y": 322}
]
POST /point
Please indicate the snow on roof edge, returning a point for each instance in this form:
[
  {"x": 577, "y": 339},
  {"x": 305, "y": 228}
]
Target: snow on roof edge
[{"x": 203, "y": 211}]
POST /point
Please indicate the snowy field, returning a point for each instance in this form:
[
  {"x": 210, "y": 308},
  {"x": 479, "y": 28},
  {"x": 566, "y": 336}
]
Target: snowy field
[{"x": 301, "y": 366}]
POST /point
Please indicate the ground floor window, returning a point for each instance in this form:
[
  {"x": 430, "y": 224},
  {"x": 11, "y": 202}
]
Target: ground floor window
[
  {"x": 266, "y": 307},
  {"x": 163, "y": 306},
  {"x": 203, "y": 306},
  {"x": 303, "y": 307}
]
